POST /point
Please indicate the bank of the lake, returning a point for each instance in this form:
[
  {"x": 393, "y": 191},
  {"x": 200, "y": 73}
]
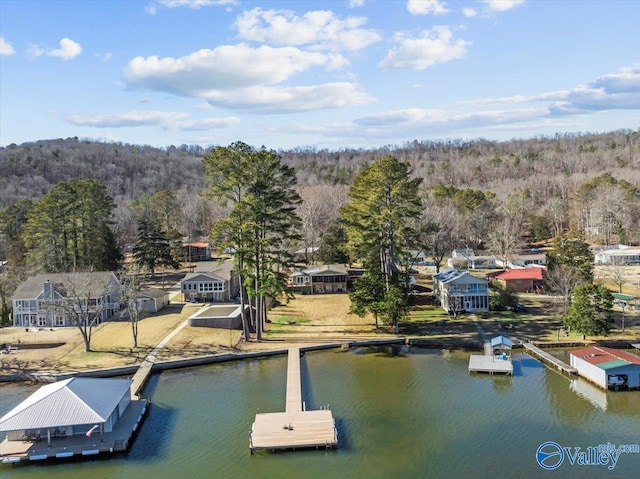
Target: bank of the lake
[{"x": 401, "y": 413}]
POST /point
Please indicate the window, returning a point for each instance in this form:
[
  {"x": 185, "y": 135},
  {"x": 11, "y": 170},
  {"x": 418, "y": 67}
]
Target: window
[{"x": 59, "y": 321}]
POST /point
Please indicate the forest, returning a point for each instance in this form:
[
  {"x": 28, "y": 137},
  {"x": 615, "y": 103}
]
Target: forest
[{"x": 478, "y": 192}]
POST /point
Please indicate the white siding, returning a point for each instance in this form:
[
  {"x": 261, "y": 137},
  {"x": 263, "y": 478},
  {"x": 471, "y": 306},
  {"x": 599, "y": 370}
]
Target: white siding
[{"x": 590, "y": 371}]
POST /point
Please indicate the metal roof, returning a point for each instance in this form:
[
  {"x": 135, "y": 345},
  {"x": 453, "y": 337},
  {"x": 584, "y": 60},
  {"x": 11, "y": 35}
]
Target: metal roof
[
  {"x": 454, "y": 275},
  {"x": 606, "y": 358},
  {"x": 498, "y": 340},
  {"x": 66, "y": 403}
]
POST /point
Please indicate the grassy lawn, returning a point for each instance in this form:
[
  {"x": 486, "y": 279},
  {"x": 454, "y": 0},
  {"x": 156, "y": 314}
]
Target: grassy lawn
[{"x": 311, "y": 317}]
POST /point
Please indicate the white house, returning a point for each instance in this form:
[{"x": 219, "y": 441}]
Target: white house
[
  {"x": 621, "y": 255},
  {"x": 525, "y": 259},
  {"x": 466, "y": 258},
  {"x": 41, "y": 300},
  {"x": 607, "y": 367},
  {"x": 461, "y": 291}
]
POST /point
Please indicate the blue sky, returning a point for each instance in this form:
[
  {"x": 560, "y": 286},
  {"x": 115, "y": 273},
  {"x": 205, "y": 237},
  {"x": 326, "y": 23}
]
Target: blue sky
[{"x": 331, "y": 74}]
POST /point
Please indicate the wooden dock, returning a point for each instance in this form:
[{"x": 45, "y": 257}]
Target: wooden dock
[
  {"x": 489, "y": 362},
  {"x": 296, "y": 427},
  {"x": 548, "y": 359}
]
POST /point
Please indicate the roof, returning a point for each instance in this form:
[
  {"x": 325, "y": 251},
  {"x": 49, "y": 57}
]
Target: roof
[
  {"x": 322, "y": 269},
  {"x": 34, "y": 285},
  {"x": 222, "y": 269},
  {"x": 623, "y": 296},
  {"x": 203, "y": 277},
  {"x": 453, "y": 275},
  {"x": 606, "y": 358},
  {"x": 154, "y": 293},
  {"x": 498, "y": 340},
  {"x": 520, "y": 273},
  {"x": 196, "y": 244},
  {"x": 310, "y": 249},
  {"x": 66, "y": 403}
]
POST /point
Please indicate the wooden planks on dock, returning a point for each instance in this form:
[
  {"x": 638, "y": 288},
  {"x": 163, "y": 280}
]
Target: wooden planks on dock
[
  {"x": 548, "y": 358},
  {"x": 488, "y": 363},
  {"x": 296, "y": 427}
]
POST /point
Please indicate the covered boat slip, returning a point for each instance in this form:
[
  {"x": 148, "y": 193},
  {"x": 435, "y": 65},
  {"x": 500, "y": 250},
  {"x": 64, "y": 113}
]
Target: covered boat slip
[
  {"x": 81, "y": 445},
  {"x": 496, "y": 357},
  {"x": 294, "y": 428}
]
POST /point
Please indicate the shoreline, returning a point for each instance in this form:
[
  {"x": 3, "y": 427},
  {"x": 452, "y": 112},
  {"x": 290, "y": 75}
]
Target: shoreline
[{"x": 279, "y": 348}]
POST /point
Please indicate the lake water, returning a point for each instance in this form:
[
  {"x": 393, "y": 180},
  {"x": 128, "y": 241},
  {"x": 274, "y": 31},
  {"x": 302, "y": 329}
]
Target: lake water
[{"x": 401, "y": 413}]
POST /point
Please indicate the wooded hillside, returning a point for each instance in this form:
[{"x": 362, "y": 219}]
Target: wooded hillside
[{"x": 583, "y": 180}]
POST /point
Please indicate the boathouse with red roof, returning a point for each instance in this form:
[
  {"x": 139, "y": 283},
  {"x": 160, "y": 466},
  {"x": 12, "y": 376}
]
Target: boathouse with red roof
[{"x": 607, "y": 367}]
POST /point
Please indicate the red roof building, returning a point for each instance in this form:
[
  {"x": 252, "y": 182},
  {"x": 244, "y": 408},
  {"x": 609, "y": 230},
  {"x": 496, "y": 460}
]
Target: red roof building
[
  {"x": 522, "y": 280},
  {"x": 607, "y": 367}
]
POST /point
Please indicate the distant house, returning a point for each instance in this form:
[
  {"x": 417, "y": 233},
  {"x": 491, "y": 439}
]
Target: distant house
[
  {"x": 607, "y": 367},
  {"x": 72, "y": 407},
  {"x": 38, "y": 301},
  {"x": 330, "y": 278},
  {"x": 196, "y": 251},
  {"x": 620, "y": 255},
  {"x": 466, "y": 258},
  {"x": 521, "y": 280},
  {"x": 417, "y": 258},
  {"x": 458, "y": 290},
  {"x": 215, "y": 285},
  {"x": 153, "y": 300},
  {"x": 521, "y": 260}
]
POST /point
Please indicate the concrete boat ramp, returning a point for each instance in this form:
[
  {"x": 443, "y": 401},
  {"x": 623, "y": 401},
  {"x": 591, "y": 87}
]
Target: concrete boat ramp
[{"x": 296, "y": 427}]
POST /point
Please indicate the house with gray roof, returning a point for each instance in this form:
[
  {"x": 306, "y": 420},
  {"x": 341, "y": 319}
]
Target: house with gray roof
[
  {"x": 321, "y": 279},
  {"x": 46, "y": 300},
  {"x": 210, "y": 282},
  {"x": 459, "y": 291}
]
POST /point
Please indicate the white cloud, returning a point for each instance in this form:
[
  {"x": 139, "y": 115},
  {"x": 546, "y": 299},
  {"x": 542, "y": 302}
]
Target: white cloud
[
  {"x": 6, "y": 48},
  {"x": 320, "y": 29},
  {"x": 433, "y": 46},
  {"x": 35, "y": 51},
  {"x": 424, "y": 7},
  {"x": 356, "y": 3},
  {"x": 168, "y": 120},
  {"x": 614, "y": 91},
  {"x": 225, "y": 67},
  {"x": 223, "y": 78},
  {"x": 263, "y": 99},
  {"x": 68, "y": 50},
  {"x": 469, "y": 12},
  {"x": 502, "y": 5}
]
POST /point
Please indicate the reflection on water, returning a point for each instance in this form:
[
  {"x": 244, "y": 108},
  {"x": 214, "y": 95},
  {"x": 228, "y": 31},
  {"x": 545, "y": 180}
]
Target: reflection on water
[{"x": 405, "y": 413}]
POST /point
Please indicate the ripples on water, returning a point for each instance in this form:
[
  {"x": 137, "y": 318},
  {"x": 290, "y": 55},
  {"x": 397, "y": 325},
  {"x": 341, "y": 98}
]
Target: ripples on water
[{"x": 400, "y": 413}]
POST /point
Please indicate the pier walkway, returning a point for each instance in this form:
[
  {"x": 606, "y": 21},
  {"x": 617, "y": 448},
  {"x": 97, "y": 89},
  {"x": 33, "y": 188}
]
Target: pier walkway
[
  {"x": 144, "y": 371},
  {"x": 547, "y": 358},
  {"x": 296, "y": 427}
]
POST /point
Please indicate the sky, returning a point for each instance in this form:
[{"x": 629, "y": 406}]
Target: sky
[{"x": 320, "y": 74}]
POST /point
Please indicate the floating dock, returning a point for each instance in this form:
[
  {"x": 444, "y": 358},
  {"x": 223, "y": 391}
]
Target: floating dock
[
  {"x": 548, "y": 359},
  {"x": 295, "y": 428},
  {"x": 489, "y": 362}
]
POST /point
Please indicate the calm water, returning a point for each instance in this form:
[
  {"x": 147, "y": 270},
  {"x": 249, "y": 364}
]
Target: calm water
[{"x": 401, "y": 414}]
